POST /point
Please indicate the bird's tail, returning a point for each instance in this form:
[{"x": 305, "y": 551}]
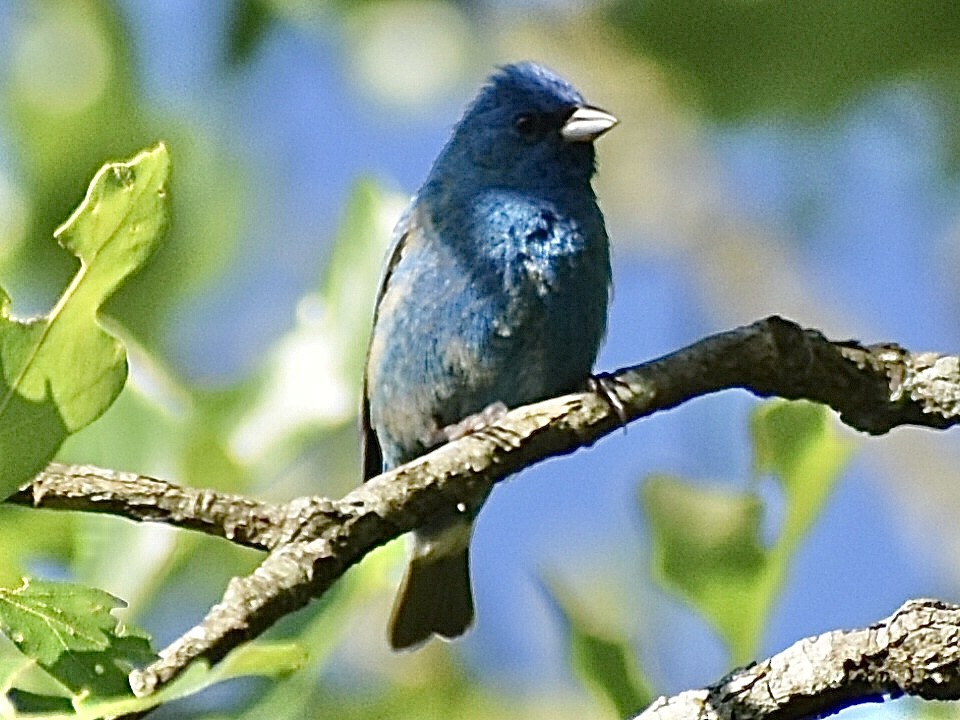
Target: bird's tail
[{"x": 434, "y": 598}]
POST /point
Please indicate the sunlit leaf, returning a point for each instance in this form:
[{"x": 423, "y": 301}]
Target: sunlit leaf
[
  {"x": 797, "y": 443},
  {"x": 61, "y": 371},
  {"x": 71, "y": 632},
  {"x": 312, "y": 377},
  {"x": 70, "y": 101},
  {"x": 272, "y": 660},
  {"x": 706, "y": 548},
  {"x": 20, "y": 674},
  {"x": 350, "y": 283}
]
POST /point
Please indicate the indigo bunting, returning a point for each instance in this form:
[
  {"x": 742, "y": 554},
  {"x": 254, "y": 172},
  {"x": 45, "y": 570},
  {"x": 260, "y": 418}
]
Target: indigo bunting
[{"x": 494, "y": 294}]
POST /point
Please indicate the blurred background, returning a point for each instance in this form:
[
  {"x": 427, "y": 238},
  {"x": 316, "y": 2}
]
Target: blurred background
[{"x": 797, "y": 158}]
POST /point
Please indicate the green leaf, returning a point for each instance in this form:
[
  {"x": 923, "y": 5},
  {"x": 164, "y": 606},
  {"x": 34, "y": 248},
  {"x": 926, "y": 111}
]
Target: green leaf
[
  {"x": 60, "y": 372},
  {"x": 15, "y": 667},
  {"x": 350, "y": 282},
  {"x": 255, "y": 659},
  {"x": 249, "y": 22},
  {"x": 265, "y": 659},
  {"x": 706, "y": 541},
  {"x": 332, "y": 330},
  {"x": 797, "y": 443},
  {"x": 324, "y": 626},
  {"x": 603, "y": 663},
  {"x": 46, "y": 619},
  {"x": 706, "y": 548},
  {"x": 273, "y": 660},
  {"x": 70, "y": 631},
  {"x": 607, "y": 666}
]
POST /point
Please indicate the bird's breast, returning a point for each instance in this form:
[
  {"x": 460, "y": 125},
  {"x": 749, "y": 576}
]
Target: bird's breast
[{"x": 506, "y": 303}]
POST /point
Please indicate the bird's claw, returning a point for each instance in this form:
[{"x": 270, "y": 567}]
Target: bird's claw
[
  {"x": 607, "y": 387},
  {"x": 475, "y": 423}
]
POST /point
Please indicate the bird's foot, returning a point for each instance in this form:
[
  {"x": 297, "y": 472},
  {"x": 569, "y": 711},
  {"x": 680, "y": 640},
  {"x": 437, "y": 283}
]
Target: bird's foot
[
  {"x": 607, "y": 387},
  {"x": 474, "y": 423}
]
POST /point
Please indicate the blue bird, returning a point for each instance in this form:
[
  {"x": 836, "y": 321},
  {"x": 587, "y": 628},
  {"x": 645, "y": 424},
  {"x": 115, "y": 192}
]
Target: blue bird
[{"x": 494, "y": 294}]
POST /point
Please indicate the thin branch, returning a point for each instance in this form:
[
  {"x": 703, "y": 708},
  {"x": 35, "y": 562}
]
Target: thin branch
[
  {"x": 145, "y": 499},
  {"x": 314, "y": 541},
  {"x": 915, "y": 651}
]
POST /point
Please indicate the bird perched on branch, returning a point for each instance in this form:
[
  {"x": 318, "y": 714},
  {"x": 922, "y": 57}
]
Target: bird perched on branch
[{"x": 494, "y": 294}]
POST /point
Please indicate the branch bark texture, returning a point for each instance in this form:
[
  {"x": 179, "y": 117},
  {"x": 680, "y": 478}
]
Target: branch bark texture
[{"x": 915, "y": 651}]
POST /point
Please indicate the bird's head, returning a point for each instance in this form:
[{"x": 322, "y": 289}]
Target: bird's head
[{"x": 527, "y": 129}]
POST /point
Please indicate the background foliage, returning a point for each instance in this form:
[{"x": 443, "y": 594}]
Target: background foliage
[{"x": 789, "y": 157}]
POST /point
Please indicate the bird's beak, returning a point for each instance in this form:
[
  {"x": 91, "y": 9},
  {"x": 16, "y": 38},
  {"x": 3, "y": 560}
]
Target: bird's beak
[{"x": 586, "y": 124}]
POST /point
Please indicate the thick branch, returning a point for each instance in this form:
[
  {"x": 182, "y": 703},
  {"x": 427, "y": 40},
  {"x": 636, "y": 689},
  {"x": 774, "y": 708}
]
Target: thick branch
[
  {"x": 915, "y": 651},
  {"x": 873, "y": 388},
  {"x": 314, "y": 541}
]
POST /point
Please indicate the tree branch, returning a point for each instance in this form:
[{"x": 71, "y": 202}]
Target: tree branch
[
  {"x": 242, "y": 520},
  {"x": 915, "y": 651},
  {"x": 313, "y": 540},
  {"x": 145, "y": 499}
]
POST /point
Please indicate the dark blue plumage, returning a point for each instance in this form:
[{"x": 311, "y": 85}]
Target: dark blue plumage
[{"x": 495, "y": 291}]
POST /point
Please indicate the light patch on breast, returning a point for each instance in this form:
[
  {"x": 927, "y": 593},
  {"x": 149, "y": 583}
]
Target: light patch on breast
[
  {"x": 460, "y": 356},
  {"x": 501, "y": 328},
  {"x": 536, "y": 277}
]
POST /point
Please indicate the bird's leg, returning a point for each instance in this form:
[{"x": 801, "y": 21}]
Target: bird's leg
[
  {"x": 474, "y": 423},
  {"x": 606, "y": 386}
]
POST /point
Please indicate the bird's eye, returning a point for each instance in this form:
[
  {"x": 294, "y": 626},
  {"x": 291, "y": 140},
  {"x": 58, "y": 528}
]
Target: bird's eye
[{"x": 526, "y": 125}]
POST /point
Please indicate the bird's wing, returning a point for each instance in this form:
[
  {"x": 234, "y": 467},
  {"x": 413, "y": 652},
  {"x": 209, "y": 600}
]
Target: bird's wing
[
  {"x": 371, "y": 453},
  {"x": 372, "y": 456}
]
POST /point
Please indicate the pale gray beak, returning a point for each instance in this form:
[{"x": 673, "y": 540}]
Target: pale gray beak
[{"x": 586, "y": 124}]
